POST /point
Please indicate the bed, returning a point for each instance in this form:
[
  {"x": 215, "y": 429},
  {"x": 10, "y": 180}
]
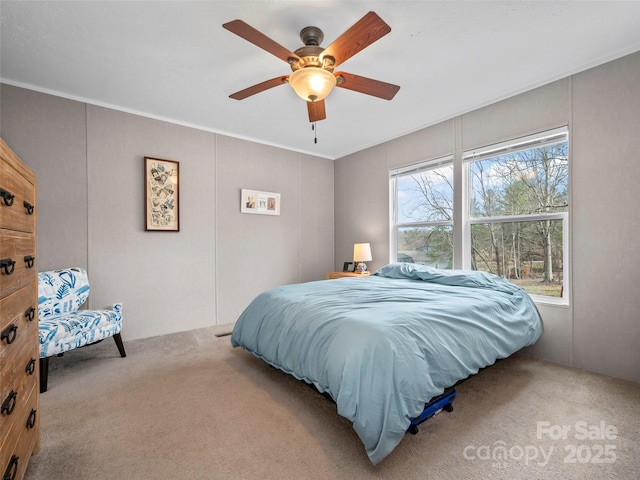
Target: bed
[{"x": 382, "y": 346}]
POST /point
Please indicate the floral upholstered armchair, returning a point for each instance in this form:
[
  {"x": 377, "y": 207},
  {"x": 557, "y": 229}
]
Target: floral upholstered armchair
[{"x": 62, "y": 326}]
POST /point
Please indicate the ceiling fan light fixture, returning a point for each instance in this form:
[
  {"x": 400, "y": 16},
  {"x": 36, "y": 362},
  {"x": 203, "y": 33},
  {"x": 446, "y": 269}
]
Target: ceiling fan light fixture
[{"x": 312, "y": 83}]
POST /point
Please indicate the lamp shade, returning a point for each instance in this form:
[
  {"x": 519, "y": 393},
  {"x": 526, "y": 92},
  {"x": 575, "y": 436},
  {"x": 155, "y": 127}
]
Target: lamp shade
[
  {"x": 312, "y": 83},
  {"x": 362, "y": 252}
]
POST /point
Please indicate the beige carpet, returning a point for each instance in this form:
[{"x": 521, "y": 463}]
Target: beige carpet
[{"x": 187, "y": 406}]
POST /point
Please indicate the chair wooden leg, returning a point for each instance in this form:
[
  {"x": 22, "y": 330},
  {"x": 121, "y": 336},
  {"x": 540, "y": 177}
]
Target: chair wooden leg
[
  {"x": 44, "y": 374},
  {"x": 118, "y": 339}
]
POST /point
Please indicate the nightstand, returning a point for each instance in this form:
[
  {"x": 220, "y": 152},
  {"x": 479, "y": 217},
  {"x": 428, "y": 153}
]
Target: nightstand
[{"x": 333, "y": 275}]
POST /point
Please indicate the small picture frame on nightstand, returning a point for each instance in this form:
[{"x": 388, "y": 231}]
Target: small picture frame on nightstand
[{"x": 348, "y": 267}]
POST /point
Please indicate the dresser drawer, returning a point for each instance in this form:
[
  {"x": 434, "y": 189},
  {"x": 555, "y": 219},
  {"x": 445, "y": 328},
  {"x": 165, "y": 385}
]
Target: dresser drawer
[
  {"x": 17, "y": 200},
  {"x": 19, "y": 248},
  {"x": 19, "y": 365},
  {"x": 19, "y": 309},
  {"x": 15, "y": 393},
  {"x": 18, "y": 447}
]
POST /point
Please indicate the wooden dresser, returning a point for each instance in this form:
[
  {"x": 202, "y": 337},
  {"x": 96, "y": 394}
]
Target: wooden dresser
[{"x": 19, "y": 347}]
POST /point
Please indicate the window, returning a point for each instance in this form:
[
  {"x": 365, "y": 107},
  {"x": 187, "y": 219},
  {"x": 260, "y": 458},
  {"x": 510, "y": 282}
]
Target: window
[
  {"x": 518, "y": 211},
  {"x": 513, "y": 214},
  {"x": 423, "y": 213}
]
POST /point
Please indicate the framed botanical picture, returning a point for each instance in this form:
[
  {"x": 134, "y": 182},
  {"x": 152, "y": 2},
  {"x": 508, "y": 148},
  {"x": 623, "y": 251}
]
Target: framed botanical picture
[
  {"x": 263, "y": 203},
  {"x": 162, "y": 195}
]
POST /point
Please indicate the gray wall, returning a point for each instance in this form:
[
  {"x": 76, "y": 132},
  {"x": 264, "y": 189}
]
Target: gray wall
[
  {"x": 49, "y": 130},
  {"x": 606, "y": 219},
  {"x": 600, "y": 329},
  {"x": 89, "y": 165}
]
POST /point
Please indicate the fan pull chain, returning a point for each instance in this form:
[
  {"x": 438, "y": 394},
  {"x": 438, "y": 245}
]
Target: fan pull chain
[{"x": 315, "y": 134}]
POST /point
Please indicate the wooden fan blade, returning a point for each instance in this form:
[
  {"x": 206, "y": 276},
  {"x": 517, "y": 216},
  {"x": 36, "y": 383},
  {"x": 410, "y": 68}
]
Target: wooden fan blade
[
  {"x": 366, "y": 85},
  {"x": 366, "y": 31},
  {"x": 259, "y": 39},
  {"x": 316, "y": 111},
  {"x": 260, "y": 87}
]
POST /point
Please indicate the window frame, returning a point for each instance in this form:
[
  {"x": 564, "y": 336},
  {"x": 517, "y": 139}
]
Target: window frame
[
  {"x": 548, "y": 137},
  {"x": 393, "y": 201},
  {"x": 462, "y": 221}
]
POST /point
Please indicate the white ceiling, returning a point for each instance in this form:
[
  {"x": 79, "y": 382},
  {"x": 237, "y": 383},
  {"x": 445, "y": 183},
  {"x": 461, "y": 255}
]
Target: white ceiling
[{"x": 174, "y": 61}]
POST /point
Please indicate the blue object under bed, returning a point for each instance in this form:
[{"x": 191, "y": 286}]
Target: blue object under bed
[{"x": 384, "y": 345}]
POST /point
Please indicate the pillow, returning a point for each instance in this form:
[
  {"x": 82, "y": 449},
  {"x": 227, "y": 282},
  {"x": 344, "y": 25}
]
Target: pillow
[{"x": 459, "y": 278}]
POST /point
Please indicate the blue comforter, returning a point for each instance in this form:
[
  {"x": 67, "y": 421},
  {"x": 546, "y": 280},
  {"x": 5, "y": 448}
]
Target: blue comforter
[{"x": 384, "y": 345}]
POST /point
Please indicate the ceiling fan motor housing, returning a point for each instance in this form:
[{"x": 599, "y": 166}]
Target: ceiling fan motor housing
[
  {"x": 310, "y": 57},
  {"x": 310, "y": 54}
]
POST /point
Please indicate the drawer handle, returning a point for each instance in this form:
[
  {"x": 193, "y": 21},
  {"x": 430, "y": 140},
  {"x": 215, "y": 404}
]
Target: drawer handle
[
  {"x": 31, "y": 367},
  {"x": 9, "y": 403},
  {"x": 30, "y": 314},
  {"x": 8, "y": 265},
  {"x": 29, "y": 261},
  {"x": 29, "y": 207},
  {"x": 7, "y": 196},
  {"x": 31, "y": 421},
  {"x": 12, "y": 469},
  {"x": 9, "y": 334}
]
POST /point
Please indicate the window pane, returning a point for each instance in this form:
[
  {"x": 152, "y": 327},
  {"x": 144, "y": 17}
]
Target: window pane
[
  {"x": 524, "y": 182},
  {"x": 426, "y": 196},
  {"x": 426, "y": 245},
  {"x": 529, "y": 254}
]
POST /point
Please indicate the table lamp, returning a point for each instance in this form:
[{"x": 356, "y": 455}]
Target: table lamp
[{"x": 361, "y": 254}]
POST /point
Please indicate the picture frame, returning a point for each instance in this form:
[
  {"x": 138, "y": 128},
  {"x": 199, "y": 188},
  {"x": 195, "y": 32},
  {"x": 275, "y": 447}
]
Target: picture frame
[
  {"x": 348, "y": 267},
  {"x": 162, "y": 195},
  {"x": 259, "y": 202}
]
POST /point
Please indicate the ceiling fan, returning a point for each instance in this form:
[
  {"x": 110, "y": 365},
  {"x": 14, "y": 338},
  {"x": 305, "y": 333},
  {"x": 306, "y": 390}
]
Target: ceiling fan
[{"x": 313, "y": 77}]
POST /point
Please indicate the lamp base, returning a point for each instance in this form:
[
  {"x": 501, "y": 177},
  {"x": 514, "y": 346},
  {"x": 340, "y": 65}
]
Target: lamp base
[{"x": 361, "y": 267}]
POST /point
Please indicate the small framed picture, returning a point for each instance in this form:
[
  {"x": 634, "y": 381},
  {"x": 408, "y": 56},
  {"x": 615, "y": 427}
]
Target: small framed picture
[
  {"x": 262, "y": 203},
  {"x": 347, "y": 267},
  {"x": 162, "y": 195}
]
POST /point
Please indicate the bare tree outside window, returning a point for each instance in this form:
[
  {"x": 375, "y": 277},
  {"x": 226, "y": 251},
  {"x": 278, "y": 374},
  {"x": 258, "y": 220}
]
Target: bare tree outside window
[
  {"x": 425, "y": 216},
  {"x": 529, "y": 185}
]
